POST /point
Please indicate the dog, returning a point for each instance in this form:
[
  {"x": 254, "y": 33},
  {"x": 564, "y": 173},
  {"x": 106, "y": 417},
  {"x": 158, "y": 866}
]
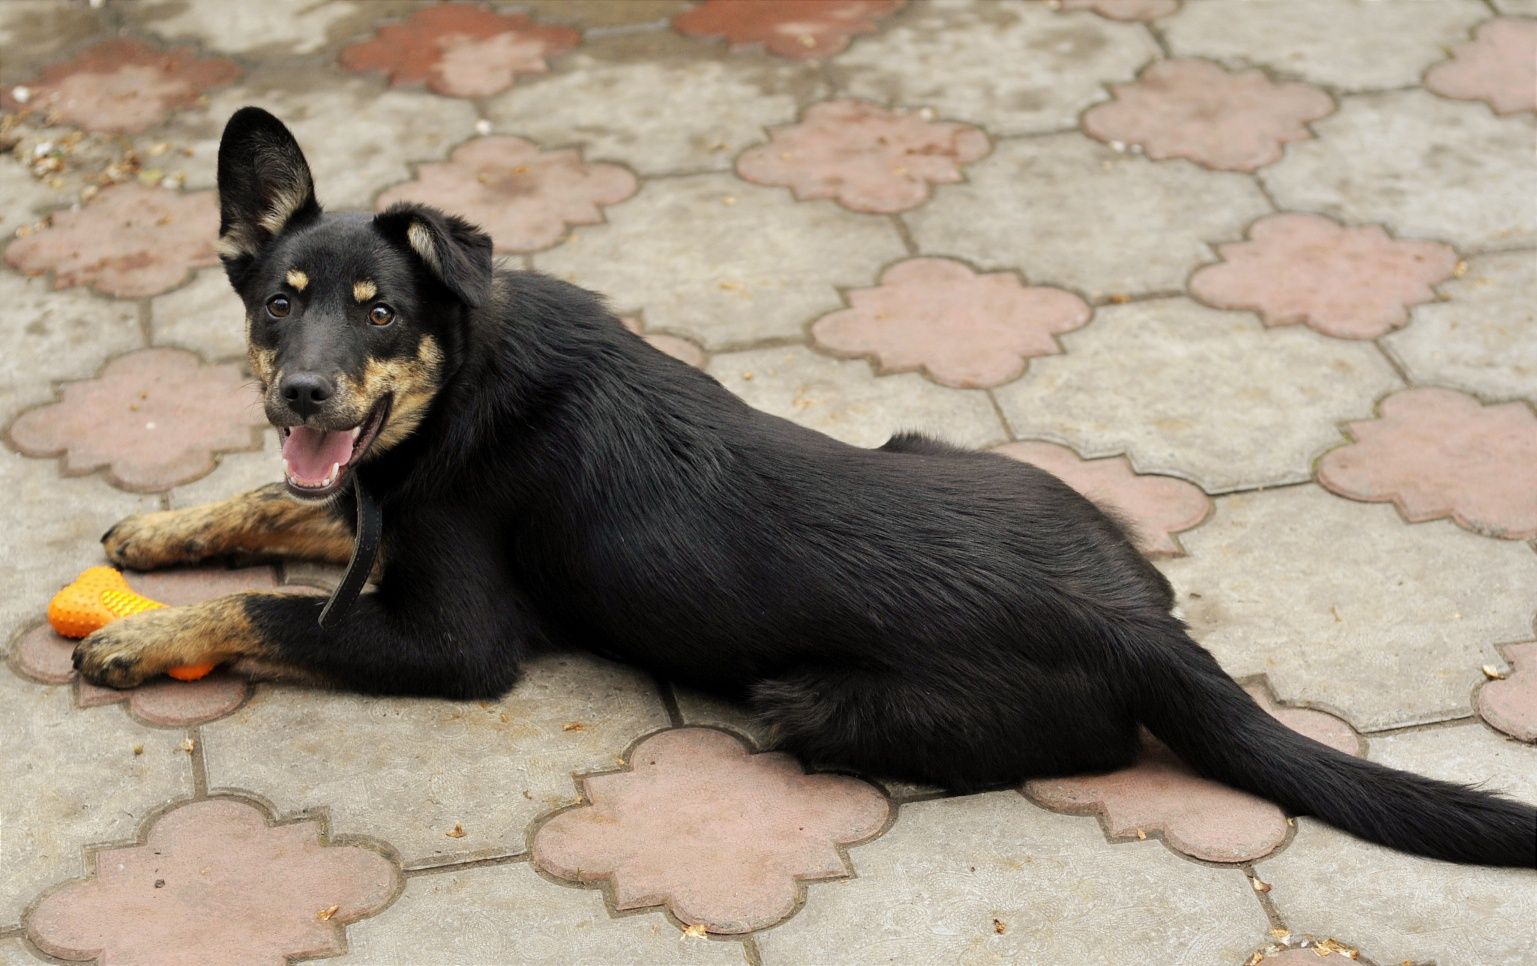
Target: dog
[{"x": 548, "y": 480}]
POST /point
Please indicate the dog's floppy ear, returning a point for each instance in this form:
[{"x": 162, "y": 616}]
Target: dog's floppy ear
[
  {"x": 264, "y": 186},
  {"x": 456, "y": 252}
]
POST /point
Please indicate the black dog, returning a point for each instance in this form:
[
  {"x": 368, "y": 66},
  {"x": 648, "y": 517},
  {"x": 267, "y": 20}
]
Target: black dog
[{"x": 549, "y": 480}]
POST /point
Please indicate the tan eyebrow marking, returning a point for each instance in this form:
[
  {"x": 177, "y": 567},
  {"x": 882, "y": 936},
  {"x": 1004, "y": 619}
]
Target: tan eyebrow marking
[
  {"x": 364, "y": 290},
  {"x": 297, "y": 279}
]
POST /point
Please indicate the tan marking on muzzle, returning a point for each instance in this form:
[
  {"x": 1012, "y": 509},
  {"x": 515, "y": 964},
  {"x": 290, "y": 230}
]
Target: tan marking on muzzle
[
  {"x": 363, "y": 290},
  {"x": 297, "y": 279},
  {"x": 414, "y": 383}
]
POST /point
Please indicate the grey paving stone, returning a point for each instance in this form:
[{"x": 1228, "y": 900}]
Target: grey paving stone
[
  {"x": 205, "y": 315},
  {"x": 72, "y": 779},
  {"x": 1015, "y": 68},
  {"x": 1344, "y": 604},
  {"x": 1402, "y": 908},
  {"x": 1045, "y": 206},
  {"x": 1483, "y": 338},
  {"x": 1210, "y": 396},
  {"x": 236, "y": 473},
  {"x": 722, "y": 261},
  {"x": 1424, "y": 166},
  {"x": 273, "y": 28},
  {"x": 35, "y": 32},
  {"x": 840, "y": 398},
  {"x": 940, "y": 883},
  {"x": 1517, "y": 8},
  {"x": 503, "y": 913},
  {"x": 410, "y": 771}
]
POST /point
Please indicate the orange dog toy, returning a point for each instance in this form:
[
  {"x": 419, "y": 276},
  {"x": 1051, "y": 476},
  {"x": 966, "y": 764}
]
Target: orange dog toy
[{"x": 97, "y": 598}]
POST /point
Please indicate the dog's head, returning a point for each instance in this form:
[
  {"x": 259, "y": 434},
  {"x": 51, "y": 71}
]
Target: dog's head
[{"x": 353, "y": 321}]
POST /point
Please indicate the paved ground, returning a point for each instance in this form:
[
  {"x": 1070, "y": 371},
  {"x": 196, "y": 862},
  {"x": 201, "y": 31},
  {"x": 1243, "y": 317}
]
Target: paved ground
[{"x": 1260, "y": 274}]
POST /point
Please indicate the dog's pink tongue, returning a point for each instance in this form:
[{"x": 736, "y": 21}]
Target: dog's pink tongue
[{"x": 309, "y": 453}]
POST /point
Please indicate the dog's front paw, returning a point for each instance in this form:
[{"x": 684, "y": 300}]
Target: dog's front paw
[
  {"x": 147, "y": 541},
  {"x": 127, "y": 652}
]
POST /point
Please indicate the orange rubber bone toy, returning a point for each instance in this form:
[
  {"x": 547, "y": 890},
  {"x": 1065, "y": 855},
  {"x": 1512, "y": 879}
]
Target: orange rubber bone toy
[{"x": 97, "y": 598}]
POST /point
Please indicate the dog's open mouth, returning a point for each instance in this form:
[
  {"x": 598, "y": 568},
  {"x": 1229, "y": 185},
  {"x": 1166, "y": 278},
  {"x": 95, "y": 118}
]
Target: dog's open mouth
[{"x": 316, "y": 461}]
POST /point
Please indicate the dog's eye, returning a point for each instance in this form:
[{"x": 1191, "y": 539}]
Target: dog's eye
[
  {"x": 381, "y": 314},
  {"x": 278, "y": 306}
]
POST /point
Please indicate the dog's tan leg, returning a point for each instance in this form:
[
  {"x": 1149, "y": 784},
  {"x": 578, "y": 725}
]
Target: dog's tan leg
[{"x": 264, "y": 522}]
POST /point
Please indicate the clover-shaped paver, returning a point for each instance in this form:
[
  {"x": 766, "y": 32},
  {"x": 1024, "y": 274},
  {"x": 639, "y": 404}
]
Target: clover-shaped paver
[
  {"x": 1498, "y": 67},
  {"x": 798, "y": 29},
  {"x": 1353, "y": 282},
  {"x": 679, "y": 348},
  {"x": 461, "y": 49},
  {"x": 524, "y": 196},
  {"x": 965, "y": 329},
  {"x": 153, "y": 418},
  {"x": 1162, "y": 796},
  {"x": 216, "y": 881},
  {"x": 1510, "y": 703},
  {"x": 1195, "y": 109},
  {"x": 864, "y": 156},
  {"x": 1156, "y": 507},
  {"x": 720, "y": 836},
  {"x": 130, "y": 241},
  {"x": 123, "y": 86},
  {"x": 44, "y": 656},
  {"x": 1439, "y": 453},
  {"x": 1124, "y": 9}
]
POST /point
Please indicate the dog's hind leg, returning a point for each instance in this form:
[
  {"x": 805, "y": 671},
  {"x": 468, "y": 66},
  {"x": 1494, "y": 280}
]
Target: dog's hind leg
[
  {"x": 264, "y": 523},
  {"x": 960, "y": 735}
]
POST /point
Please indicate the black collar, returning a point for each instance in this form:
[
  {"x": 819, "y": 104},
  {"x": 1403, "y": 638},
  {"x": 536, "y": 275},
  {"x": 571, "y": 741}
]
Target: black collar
[{"x": 365, "y": 550}]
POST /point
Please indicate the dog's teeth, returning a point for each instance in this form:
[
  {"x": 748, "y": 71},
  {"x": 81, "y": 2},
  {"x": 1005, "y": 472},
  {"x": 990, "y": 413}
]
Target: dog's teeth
[
  {"x": 356, "y": 433},
  {"x": 331, "y": 476}
]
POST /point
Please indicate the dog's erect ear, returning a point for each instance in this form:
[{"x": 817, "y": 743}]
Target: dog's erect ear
[
  {"x": 264, "y": 186},
  {"x": 456, "y": 252}
]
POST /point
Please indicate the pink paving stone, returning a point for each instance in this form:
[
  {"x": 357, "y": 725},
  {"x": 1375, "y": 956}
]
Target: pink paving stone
[
  {"x": 1227, "y": 120},
  {"x": 1348, "y": 282},
  {"x": 216, "y": 881},
  {"x": 799, "y": 29},
  {"x": 965, "y": 329},
  {"x": 45, "y": 656},
  {"x": 681, "y": 349},
  {"x": 131, "y": 241},
  {"x": 123, "y": 86},
  {"x": 864, "y": 156},
  {"x": 153, "y": 418},
  {"x": 1162, "y": 796},
  {"x": 1124, "y": 9},
  {"x": 1498, "y": 67},
  {"x": 1437, "y": 453},
  {"x": 1157, "y": 507},
  {"x": 720, "y": 836},
  {"x": 524, "y": 196},
  {"x": 461, "y": 49},
  {"x": 1511, "y": 704}
]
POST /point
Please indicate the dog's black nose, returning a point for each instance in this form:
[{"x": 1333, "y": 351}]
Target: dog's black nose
[{"x": 306, "y": 392}]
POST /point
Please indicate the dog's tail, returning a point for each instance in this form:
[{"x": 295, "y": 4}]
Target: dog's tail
[{"x": 1185, "y": 698}]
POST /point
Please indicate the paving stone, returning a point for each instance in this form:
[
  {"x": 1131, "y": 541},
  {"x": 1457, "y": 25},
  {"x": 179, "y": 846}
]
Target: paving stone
[
  {"x": 720, "y": 836},
  {"x": 1125, "y": 9},
  {"x": 413, "y": 771},
  {"x": 14, "y": 951},
  {"x": 524, "y": 197},
  {"x": 1477, "y": 340},
  {"x": 1498, "y": 67},
  {"x": 1012, "y": 68},
  {"x": 1437, "y": 453},
  {"x": 1194, "y": 109},
  {"x": 72, "y": 779},
  {"x": 151, "y": 419},
  {"x": 1510, "y": 703},
  {"x": 1188, "y": 391},
  {"x": 1516, "y": 8},
  {"x": 729, "y": 276},
  {"x": 1389, "y": 627},
  {"x": 864, "y": 156},
  {"x": 605, "y": 13},
  {"x": 131, "y": 241},
  {"x": 275, "y": 28},
  {"x": 608, "y": 89},
  {"x": 1162, "y": 796},
  {"x": 797, "y": 29},
  {"x": 480, "y": 915},
  {"x": 1352, "y": 282},
  {"x": 50, "y": 530},
  {"x": 204, "y": 316},
  {"x": 34, "y": 32},
  {"x": 1028, "y": 205},
  {"x": 992, "y": 878},
  {"x": 1402, "y": 908},
  {"x": 215, "y": 880},
  {"x": 1351, "y": 45},
  {"x": 235, "y": 473},
  {"x": 1422, "y": 166},
  {"x": 27, "y": 198},
  {"x": 839, "y": 398}
]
